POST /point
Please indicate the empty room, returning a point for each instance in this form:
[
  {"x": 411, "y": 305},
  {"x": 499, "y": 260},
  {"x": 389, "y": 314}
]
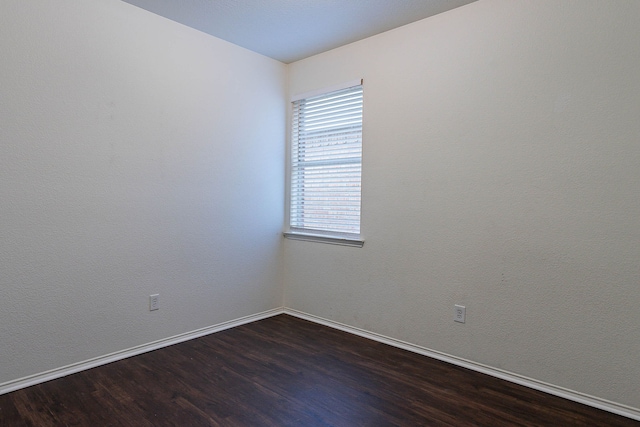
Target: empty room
[{"x": 319, "y": 213}]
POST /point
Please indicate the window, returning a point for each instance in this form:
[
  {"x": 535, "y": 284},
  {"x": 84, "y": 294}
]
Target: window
[{"x": 326, "y": 165}]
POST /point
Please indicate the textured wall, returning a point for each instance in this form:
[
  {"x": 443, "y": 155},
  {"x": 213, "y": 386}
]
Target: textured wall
[
  {"x": 501, "y": 170},
  {"x": 137, "y": 156}
]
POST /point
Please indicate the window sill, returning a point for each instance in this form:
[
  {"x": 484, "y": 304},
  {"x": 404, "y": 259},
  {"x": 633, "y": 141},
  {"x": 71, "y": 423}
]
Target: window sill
[{"x": 332, "y": 240}]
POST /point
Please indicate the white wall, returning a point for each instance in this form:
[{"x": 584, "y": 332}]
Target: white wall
[
  {"x": 137, "y": 156},
  {"x": 501, "y": 171}
]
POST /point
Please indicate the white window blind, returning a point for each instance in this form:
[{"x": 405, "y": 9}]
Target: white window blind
[{"x": 326, "y": 163}]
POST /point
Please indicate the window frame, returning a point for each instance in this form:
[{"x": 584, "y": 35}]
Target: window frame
[{"x": 307, "y": 234}]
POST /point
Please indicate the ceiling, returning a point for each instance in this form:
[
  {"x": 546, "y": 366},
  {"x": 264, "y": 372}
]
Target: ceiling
[{"x": 289, "y": 30}]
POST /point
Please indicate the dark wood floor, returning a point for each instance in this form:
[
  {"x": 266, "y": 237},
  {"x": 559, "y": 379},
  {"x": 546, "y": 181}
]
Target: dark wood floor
[{"x": 284, "y": 371}]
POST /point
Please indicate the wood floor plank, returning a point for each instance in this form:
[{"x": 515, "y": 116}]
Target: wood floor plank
[{"x": 285, "y": 371}]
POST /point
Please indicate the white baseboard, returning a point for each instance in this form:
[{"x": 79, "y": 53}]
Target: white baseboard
[
  {"x": 596, "y": 402},
  {"x": 133, "y": 351}
]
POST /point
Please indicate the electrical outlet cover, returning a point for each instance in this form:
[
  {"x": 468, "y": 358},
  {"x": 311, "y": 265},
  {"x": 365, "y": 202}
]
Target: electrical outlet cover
[
  {"x": 459, "y": 313},
  {"x": 154, "y": 302}
]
